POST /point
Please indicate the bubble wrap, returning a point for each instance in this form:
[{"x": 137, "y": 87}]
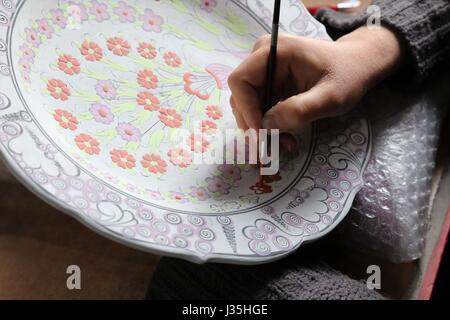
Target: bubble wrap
[{"x": 389, "y": 215}]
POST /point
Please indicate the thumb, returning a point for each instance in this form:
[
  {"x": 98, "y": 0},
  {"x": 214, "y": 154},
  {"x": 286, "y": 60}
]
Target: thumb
[{"x": 298, "y": 111}]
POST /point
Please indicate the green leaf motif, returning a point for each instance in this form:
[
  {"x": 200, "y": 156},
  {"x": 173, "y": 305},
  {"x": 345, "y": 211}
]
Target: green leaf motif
[
  {"x": 132, "y": 146},
  {"x": 245, "y": 46},
  {"x": 187, "y": 122},
  {"x": 174, "y": 135},
  {"x": 125, "y": 107},
  {"x": 235, "y": 24},
  {"x": 85, "y": 116},
  {"x": 199, "y": 107},
  {"x": 208, "y": 26},
  {"x": 179, "y": 6},
  {"x": 194, "y": 41},
  {"x": 87, "y": 96},
  {"x": 181, "y": 103},
  {"x": 156, "y": 138},
  {"x": 108, "y": 134},
  {"x": 143, "y": 117}
]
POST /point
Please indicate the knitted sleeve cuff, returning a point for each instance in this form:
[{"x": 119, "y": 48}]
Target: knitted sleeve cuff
[{"x": 422, "y": 25}]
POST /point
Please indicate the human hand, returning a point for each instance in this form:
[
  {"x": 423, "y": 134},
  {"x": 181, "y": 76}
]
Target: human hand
[{"x": 315, "y": 79}]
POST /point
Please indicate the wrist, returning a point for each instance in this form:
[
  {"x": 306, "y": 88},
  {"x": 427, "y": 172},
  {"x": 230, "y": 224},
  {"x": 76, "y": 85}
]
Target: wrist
[{"x": 378, "y": 50}]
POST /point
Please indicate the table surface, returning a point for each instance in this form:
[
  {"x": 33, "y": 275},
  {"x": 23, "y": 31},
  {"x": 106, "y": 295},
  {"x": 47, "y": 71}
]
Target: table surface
[{"x": 38, "y": 243}]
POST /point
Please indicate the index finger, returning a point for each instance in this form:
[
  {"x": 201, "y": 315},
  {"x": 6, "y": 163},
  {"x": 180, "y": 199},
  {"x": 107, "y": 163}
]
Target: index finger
[{"x": 246, "y": 84}]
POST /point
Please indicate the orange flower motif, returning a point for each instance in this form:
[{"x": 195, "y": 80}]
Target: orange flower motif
[
  {"x": 147, "y": 51},
  {"x": 180, "y": 157},
  {"x": 66, "y": 119},
  {"x": 123, "y": 159},
  {"x": 198, "y": 143},
  {"x": 91, "y": 51},
  {"x": 172, "y": 59},
  {"x": 214, "y": 112},
  {"x": 119, "y": 46},
  {"x": 147, "y": 79},
  {"x": 149, "y": 101},
  {"x": 171, "y": 118},
  {"x": 68, "y": 64},
  {"x": 154, "y": 164},
  {"x": 87, "y": 144},
  {"x": 58, "y": 89},
  {"x": 208, "y": 127}
]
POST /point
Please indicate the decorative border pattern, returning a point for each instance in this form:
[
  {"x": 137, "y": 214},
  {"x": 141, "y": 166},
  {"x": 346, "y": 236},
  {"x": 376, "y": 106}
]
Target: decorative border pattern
[{"x": 330, "y": 182}]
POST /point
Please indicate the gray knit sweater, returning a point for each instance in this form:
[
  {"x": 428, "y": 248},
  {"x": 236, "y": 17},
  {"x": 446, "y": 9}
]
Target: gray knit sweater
[{"x": 424, "y": 27}]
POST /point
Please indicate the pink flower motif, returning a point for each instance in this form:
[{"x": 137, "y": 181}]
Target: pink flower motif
[
  {"x": 147, "y": 79},
  {"x": 58, "y": 18},
  {"x": 214, "y": 112},
  {"x": 66, "y": 119},
  {"x": 81, "y": 9},
  {"x": 33, "y": 37},
  {"x": 131, "y": 187},
  {"x": 152, "y": 22},
  {"x": 119, "y": 46},
  {"x": 24, "y": 66},
  {"x": 45, "y": 28},
  {"x": 208, "y": 5},
  {"x": 100, "y": 11},
  {"x": 178, "y": 197},
  {"x": 58, "y": 89},
  {"x": 154, "y": 195},
  {"x": 230, "y": 172},
  {"x": 199, "y": 193},
  {"x": 171, "y": 118},
  {"x": 27, "y": 53},
  {"x": 87, "y": 144},
  {"x": 26, "y": 77},
  {"x": 154, "y": 164},
  {"x": 112, "y": 179},
  {"x": 68, "y": 64},
  {"x": 123, "y": 159},
  {"x": 101, "y": 113},
  {"x": 198, "y": 143},
  {"x": 180, "y": 157},
  {"x": 147, "y": 100},
  {"x": 208, "y": 127},
  {"x": 216, "y": 184},
  {"x": 125, "y": 12},
  {"x": 147, "y": 50},
  {"x": 106, "y": 89},
  {"x": 91, "y": 51},
  {"x": 128, "y": 132},
  {"x": 172, "y": 59}
]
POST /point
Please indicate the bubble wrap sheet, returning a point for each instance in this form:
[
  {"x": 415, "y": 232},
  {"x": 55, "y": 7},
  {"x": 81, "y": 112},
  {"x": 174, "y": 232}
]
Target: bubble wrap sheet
[{"x": 389, "y": 215}]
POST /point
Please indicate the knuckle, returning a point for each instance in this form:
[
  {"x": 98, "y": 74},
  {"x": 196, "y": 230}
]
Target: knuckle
[
  {"x": 262, "y": 41},
  {"x": 334, "y": 101},
  {"x": 284, "y": 38},
  {"x": 234, "y": 78},
  {"x": 265, "y": 38},
  {"x": 232, "y": 103},
  {"x": 293, "y": 112}
]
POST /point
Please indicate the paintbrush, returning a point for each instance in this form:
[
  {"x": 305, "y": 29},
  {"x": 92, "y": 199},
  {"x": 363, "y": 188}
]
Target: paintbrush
[{"x": 271, "y": 67}]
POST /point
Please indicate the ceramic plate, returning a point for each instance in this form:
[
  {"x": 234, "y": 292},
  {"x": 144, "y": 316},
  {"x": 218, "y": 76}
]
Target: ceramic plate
[{"x": 92, "y": 94}]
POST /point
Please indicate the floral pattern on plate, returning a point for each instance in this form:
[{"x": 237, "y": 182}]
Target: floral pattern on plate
[{"x": 114, "y": 80}]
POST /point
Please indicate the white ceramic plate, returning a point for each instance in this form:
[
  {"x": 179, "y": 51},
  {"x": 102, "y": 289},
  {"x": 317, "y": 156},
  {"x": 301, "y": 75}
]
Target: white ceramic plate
[{"x": 91, "y": 95}]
